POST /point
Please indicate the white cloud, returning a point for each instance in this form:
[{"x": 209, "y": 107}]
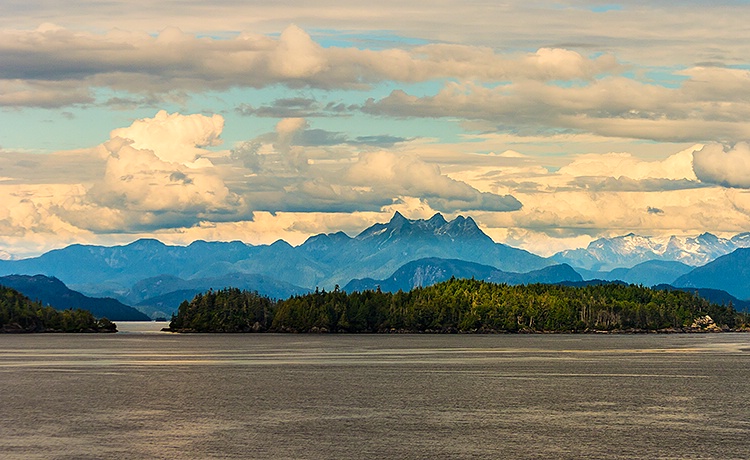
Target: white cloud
[
  {"x": 138, "y": 180},
  {"x": 297, "y": 56},
  {"x": 155, "y": 165},
  {"x": 727, "y": 166},
  {"x": 136, "y": 190},
  {"x": 174, "y": 138},
  {"x": 675, "y": 167},
  {"x": 401, "y": 175}
]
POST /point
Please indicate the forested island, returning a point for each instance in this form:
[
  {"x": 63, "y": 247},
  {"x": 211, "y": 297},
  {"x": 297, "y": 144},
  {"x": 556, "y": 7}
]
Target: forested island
[
  {"x": 18, "y": 313},
  {"x": 461, "y": 305}
]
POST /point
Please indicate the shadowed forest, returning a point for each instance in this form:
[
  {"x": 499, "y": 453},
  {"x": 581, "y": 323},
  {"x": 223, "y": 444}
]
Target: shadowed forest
[
  {"x": 459, "y": 305},
  {"x": 18, "y": 313}
]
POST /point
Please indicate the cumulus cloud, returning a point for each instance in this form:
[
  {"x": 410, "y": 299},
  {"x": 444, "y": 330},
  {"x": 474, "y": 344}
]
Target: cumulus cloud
[
  {"x": 174, "y": 138},
  {"x": 723, "y": 165},
  {"x": 153, "y": 176},
  {"x": 577, "y": 212},
  {"x": 402, "y": 175},
  {"x": 678, "y": 166},
  {"x": 286, "y": 130},
  {"x": 141, "y": 183},
  {"x": 138, "y": 180}
]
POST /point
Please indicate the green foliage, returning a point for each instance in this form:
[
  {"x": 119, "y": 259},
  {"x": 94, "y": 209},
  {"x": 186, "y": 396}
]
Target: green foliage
[
  {"x": 457, "y": 305},
  {"x": 227, "y": 310},
  {"x": 19, "y": 314}
]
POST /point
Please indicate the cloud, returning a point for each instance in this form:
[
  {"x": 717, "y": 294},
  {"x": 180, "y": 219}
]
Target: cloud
[
  {"x": 346, "y": 175},
  {"x": 141, "y": 183},
  {"x": 321, "y": 138},
  {"x": 138, "y": 180},
  {"x": 626, "y": 184},
  {"x": 547, "y": 91},
  {"x": 155, "y": 176},
  {"x": 618, "y": 165},
  {"x": 296, "y": 107},
  {"x": 286, "y": 132},
  {"x": 174, "y": 138},
  {"x": 723, "y": 165},
  {"x": 383, "y": 140},
  {"x": 652, "y": 210},
  {"x": 712, "y": 104},
  {"x": 18, "y": 92},
  {"x": 297, "y": 56},
  {"x": 656, "y": 33},
  {"x": 577, "y": 212},
  {"x": 41, "y": 66},
  {"x": 402, "y": 175}
]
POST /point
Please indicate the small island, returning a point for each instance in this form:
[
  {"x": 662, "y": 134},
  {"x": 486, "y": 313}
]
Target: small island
[
  {"x": 19, "y": 314},
  {"x": 461, "y": 306}
]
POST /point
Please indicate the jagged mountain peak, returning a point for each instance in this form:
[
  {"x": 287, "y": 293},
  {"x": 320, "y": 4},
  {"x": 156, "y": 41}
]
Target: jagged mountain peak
[
  {"x": 708, "y": 237},
  {"x": 437, "y": 220},
  {"x": 464, "y": 226},
  {"x": 436, "y": 226},
  {"x": 398, "y": 219},
  {"x": 338, "y": 236}
]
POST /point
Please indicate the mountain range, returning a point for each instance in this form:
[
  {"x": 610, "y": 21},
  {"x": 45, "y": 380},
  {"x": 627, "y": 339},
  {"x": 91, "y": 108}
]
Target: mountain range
[
  {"x": 429, "y": 271},
  {"x": 647, "y": 273},
  {"x": 400, "y": 254},
  {"x": 53, "y": 292},
  {"x": 606, "y": 254},
  {"x": 278, "y": 270}
]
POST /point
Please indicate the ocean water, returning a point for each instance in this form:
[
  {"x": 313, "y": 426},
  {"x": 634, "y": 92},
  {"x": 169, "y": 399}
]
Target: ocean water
[{"x": 141, "y": 394}]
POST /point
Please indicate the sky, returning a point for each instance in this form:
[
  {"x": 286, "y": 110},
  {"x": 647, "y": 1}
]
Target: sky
[{"x": 551, "y": 123}]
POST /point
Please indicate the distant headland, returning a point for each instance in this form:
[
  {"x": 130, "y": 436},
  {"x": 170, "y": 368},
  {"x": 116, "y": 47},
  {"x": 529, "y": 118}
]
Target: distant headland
[{"x": 462, "y": 306}]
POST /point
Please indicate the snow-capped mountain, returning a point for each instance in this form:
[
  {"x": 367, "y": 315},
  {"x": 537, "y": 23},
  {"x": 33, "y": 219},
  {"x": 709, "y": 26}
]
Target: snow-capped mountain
[{"x": 629, "y": 250}]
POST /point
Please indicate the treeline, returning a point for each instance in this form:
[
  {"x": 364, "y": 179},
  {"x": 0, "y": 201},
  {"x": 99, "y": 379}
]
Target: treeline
[
  {"x": 228, "y": 310},
  {"x": 19, "y": 314},
  {"x": 457, "y": 305}
]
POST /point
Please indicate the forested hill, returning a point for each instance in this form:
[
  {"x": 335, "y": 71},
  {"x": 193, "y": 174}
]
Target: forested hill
[
  {"x": 460, "y": 305},
  {"x": 19, "y": 314}
]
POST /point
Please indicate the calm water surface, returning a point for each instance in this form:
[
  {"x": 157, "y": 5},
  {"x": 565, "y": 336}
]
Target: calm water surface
[{"x": 141, "y": 395}]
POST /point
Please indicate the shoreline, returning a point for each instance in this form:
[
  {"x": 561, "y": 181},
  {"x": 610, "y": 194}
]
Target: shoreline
[{"x": 475, "y": 332}]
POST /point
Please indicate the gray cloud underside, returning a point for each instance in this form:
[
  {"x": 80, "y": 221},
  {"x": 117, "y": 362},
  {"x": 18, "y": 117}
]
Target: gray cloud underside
[
  {"x": 31, "y": 168},
  {"x": 36, "y": 64},
  {"x": 658, "y": 32},
  {"x": 323, "y": 190},
  {"x": 713, "y": 104},
  {"x": 297, "y": 108},
  {"x": 54, "y": 67},
  {"x": 254, "y": 60},
  {"x": 626, "y": 184},
  {"x": 157, "y": 182}
]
